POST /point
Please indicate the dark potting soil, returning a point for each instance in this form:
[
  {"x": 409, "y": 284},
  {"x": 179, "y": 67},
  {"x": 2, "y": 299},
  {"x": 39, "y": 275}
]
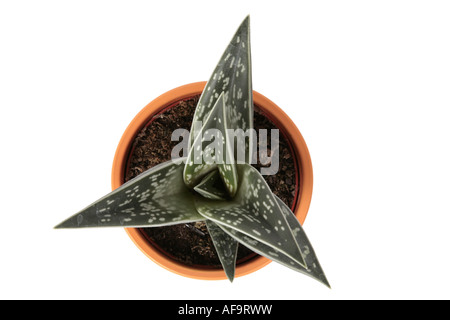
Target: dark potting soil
[{"x": 191, "y": 243}]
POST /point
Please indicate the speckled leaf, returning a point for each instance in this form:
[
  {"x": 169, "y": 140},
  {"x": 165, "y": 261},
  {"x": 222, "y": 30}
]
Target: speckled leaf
[
  {"x": 313, "y": 268},
  {"x": 255, "y": 212},
  {"x": 211, "y": 150},
  {"x": 233, "y": 77},
  {"x": 226, "y": 248},
  {"x": 211, "y": 187},
  {"x": 157, "y": 197}
]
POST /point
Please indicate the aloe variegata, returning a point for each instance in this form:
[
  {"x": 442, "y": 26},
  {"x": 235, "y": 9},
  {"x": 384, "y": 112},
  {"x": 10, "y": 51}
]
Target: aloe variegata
[{"x": 231, "y": 196}]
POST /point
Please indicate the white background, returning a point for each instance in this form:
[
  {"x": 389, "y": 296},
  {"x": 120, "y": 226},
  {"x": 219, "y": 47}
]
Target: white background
[{"x": 366, "y": 82}]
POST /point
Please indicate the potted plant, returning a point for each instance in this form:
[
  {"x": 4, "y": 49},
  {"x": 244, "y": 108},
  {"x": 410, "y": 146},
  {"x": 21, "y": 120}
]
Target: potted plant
[{"x": 214, "y": 182}]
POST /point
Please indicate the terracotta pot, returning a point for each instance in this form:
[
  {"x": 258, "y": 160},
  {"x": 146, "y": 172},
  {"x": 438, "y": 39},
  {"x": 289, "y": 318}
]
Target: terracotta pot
[{"x": 273, "y": 112}]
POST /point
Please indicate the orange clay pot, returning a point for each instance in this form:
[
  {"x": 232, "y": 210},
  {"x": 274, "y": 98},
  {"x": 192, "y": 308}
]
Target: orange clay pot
[{"x": 304, "y": 175}]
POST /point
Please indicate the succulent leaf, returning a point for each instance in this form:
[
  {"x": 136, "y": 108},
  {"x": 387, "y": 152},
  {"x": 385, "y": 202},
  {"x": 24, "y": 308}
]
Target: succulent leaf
[
  {"x": 313, "y": 268},
  {"x": 233, "y": 77},
  {"x": 205, "y": 155},
  {"x": 154, "y": 198},
  {"x": 255, "y": 212},
  {"x": 211, "y": 187},
  {"x": 226, "y": 248}
]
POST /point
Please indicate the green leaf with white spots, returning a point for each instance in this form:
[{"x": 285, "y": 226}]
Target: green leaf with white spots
[
  {"x": 232, "y": 77},
  {"x": 312, "y": 269},
  {"x": 211, "y": 150},
  {"x": 212, "y": 187},
  {"x": 156, "y": 197},
  {"x": 255, "y": 212},
  {"x": 226, "y": 248}
]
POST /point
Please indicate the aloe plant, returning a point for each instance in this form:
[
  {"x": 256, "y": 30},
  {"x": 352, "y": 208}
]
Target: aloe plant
[{"x": 213, "y": 184}]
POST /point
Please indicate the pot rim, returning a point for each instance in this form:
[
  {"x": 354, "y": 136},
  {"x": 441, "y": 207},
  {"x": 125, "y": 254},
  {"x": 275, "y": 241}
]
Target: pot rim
[{"x": 274, "y": 113}]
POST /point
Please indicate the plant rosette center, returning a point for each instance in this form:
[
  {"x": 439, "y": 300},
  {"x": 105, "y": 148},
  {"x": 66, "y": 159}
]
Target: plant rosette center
[{"x": 191, "y": 244}]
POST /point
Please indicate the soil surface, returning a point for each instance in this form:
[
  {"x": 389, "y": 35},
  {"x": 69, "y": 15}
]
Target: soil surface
[{"x": 191, "y": 243}]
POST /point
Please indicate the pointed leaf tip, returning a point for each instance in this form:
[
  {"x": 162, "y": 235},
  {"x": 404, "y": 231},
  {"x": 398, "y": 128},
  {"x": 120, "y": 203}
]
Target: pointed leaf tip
[
  {"x": 157, "y": 197},
  {"x": 246, "y": 21},
  {"x": 226, "y": 248},
  {"x": 312, "y": 268},
  {"x": 231, "y": 77}
]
